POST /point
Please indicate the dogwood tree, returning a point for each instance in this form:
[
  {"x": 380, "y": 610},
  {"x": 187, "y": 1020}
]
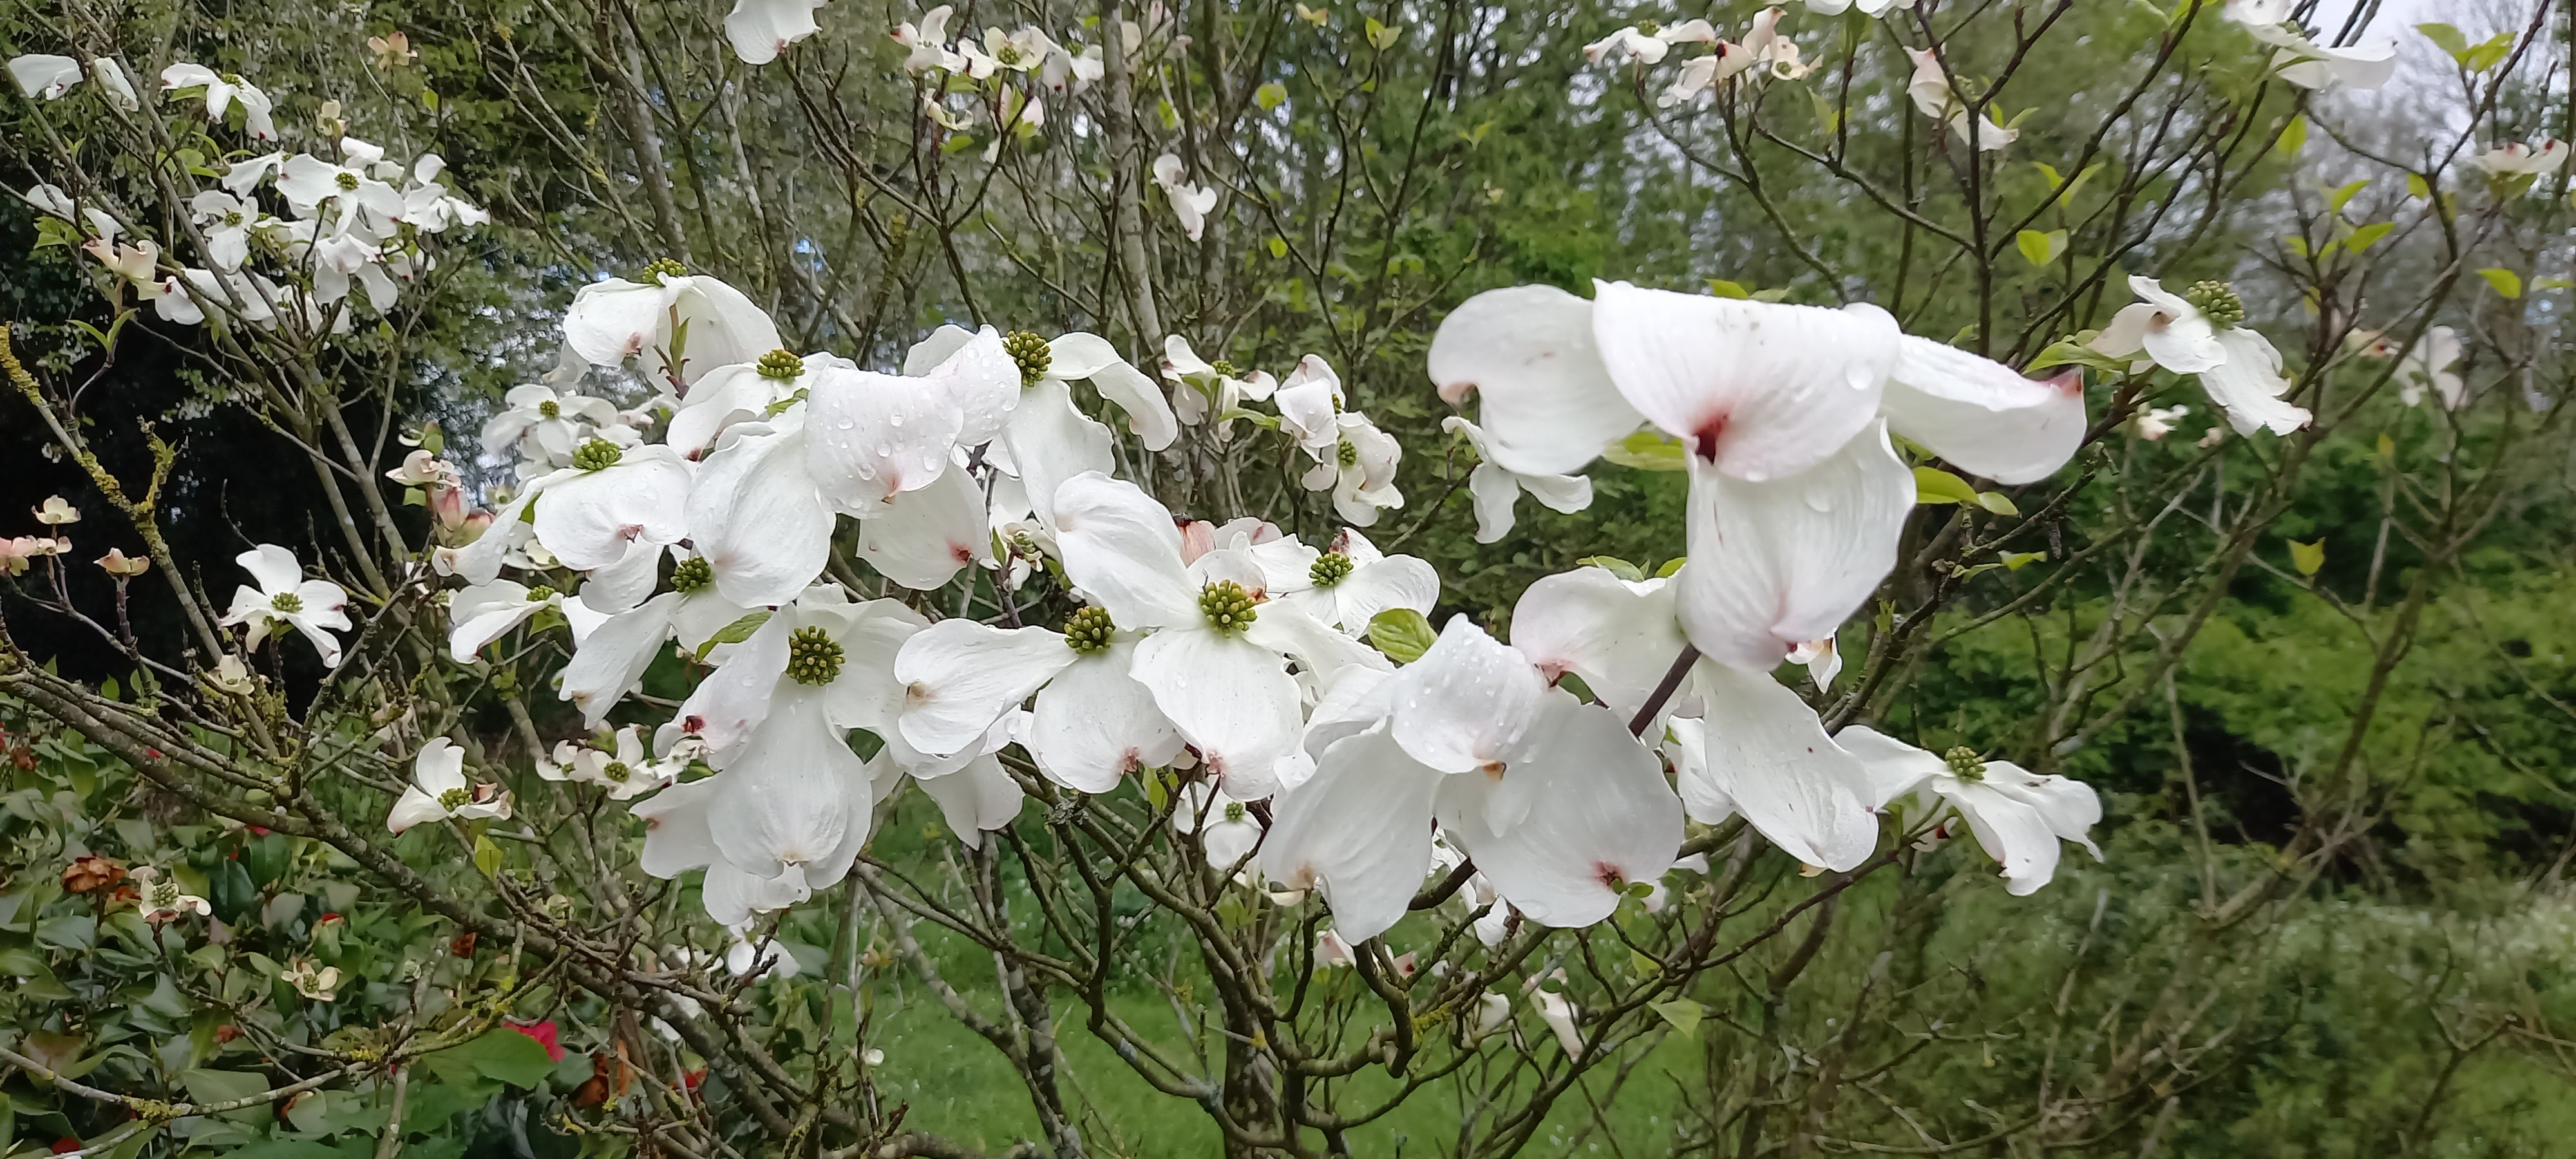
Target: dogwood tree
[{"x": 934, "y": 444}]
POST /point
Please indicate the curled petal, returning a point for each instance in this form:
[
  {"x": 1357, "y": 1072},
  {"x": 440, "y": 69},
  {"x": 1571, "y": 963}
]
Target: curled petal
[
  {"x": 1981, "y": 415},
  {"x": 1529, "y": 353}
]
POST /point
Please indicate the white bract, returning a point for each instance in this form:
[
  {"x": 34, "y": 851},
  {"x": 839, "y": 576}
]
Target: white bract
[
  {"x": 2429, "y": 363},
  {"x": 2199, "y": 332},
  {"x": 614, "y": 320},
  {"x": 440, "y": 791},
  {"x": 1190, "y": 203},
  {"x": 283, "y": 597},
  {"x": 2018, "y": 816}
]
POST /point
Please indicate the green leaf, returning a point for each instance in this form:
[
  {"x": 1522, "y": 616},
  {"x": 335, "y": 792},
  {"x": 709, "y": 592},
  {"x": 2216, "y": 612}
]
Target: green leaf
[
  {"x": 2506, "y": 282},
  {"x": 1828, "y": 117},
  {"x": 2336, "y": 200},
  {"x": 2049, "y": 172},
  {"x": 2416, "y": 187},
  {"x": 222, "y": 1086},
  {"x": 1671, "y": 567},
  {"x": 1684, "y": 1014},
  {"x": 2294, "y": 137},
  {"x": 1726, "y": 289},
  {"x": 2488, "y": 54},
  {"x": 2041, "y": 248},
  {"x": 735, "y": 632},
  {"x": 487, "y": 856},
  {"x": 1997, "y": 502},
  {"x": 1270, "y": 96},
  {"x": 2062, "y": 353},
  {"x": 1649, "y": 451},
  {"x": 2446, "y": 36},
  {"x": 1382, "y": 36},
  {"x": 2013, "y": 560},
  {"x": 1934, "y": 485},
  {"x": 2307, "y": 557},
  {"x": 1278, "y": 247},
  {"x": 501, "y": 1055},
  {"x": 1402, "y": 633},
  {"x": 2367, "y": 236},
  {"x": 1615, "y": 566}
]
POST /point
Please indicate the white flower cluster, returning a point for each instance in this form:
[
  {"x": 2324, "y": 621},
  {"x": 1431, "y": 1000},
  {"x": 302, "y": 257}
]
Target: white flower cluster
[
  {"x": 1233, "y": 654},
  {"x": 354, "y": 217}
]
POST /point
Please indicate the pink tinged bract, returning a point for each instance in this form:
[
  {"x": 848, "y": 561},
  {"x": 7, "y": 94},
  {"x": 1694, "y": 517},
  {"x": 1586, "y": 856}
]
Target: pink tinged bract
[
  {"x": 756, "y": 518},
  {"x": 1768, "y": 754},
  {"x": 1775, "y": 564},
  {"x": 976, "y": 799},
  {"x": 1463, "y": 706},
  {"x": 960, "y": 676},
  {"x": 1981, "y": 415},
  {"x": 1601, "y": 817},
  {"x": 1757, "y": 389},
  {"x": 1122, "y": 551},
  {"x": 1359, "y": 830},
  {"x": 1094, "y": 724},
  {"x": 1231, "y": 699},
  {"x": 1619, "y": 636},
  {"x": 875, "y": 435},
  {"x": 790, "y": 804},
  {"x": 922, "y": 539},
  {"x": 1528, "y": 353},
  {"x": 590, "y": 519}
]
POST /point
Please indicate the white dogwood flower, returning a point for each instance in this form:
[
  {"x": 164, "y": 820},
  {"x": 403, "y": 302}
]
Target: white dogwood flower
[
  {"x": 439, "y": 790},
  {"x": 761, "y": 29},
  {"x": 1190, "y": 203},
  {"x": 677, "y": 326},
  {"x": 313, "y": 607},
  {"x": 2201, "y": 332},
  {"x": 2018, "y": 816},
  {"x": 222, "y": 92}
]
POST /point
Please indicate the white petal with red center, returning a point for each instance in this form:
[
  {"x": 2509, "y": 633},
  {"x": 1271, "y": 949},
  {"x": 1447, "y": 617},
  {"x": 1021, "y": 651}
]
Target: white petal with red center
[
  {"x": 1231, "y": 699},
  {"x": 1761, "y": 390},
  {"x": 1601, "y": 817},
  {"x": 961, "y": 676},
  {"x": 1769, "y": 754},
  {"x": 756, "y": 518},
  {"x": 1775, "y": 564},
  {"x": 591, "y": 518},
  {"x": 1620, "y": 637},
  {"x": 922, "y": 539},
  {"x": 875, "y": 435},
  {"x": 1359, "y": 830},
  {"x": 1464, "y": 704},
  {"x": 1094, "y": 724},
  {"x": 1122, "y": 551}
]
